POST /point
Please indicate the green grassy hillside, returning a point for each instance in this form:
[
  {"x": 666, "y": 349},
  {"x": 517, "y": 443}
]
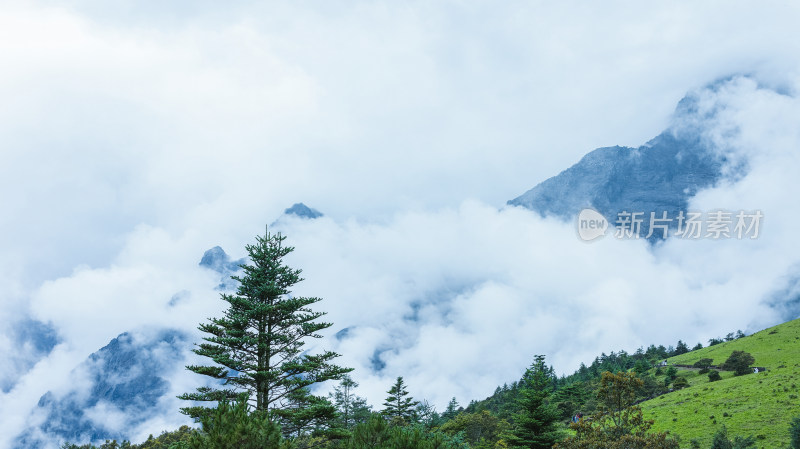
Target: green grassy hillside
[{"x": 760, "y": 405}]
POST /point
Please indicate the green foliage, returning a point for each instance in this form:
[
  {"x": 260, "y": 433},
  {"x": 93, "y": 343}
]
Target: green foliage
[
  {"x": 230, "y": 426},
  {"x": 452, "y": 409},
  {"x": 481, "y": 430},
  {"x": 721, "y": 441},
  {"x": 166, "y": 440},
  {"x": 740, "y": 442},
  {"x": 794, "y": 433},
  {"x": 714, "y": 376},
  {"x": 351, "y": 409},
  {"x": 762, "y": 404},
  {"x": 536, "y": 424},
  {"x": 681, "y": 348},
  {"x": 652, "y": 387},
  {"x": 670, "y": 375},
  {"x": 427, "y": 416},
  {"x": 703, "y": 363},
  {"x": 617, "y": 394},
  {"x": 679, "y": 383},
  {"x": 739, "y": 362},
  {"x": 618, "y": 424},
  {"x": 305, "y": 413},
  {"x": 372, "y": 434},
  {"x": 399, "y": 406},
  {"x": 257, "y": 345},
  {"x": 571, "y": 399},
  {"x": 641, "y": 366},
  {"x": 377, "y": 433}
]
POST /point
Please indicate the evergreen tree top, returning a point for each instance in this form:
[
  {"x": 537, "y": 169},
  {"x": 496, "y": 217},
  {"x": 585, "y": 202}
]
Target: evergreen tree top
[{"x": 256, "y": 346}]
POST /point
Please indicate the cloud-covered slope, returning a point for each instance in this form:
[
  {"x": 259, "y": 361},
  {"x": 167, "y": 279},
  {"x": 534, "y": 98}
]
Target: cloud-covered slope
[
  {"x": 22, "y": 344},
  {"x": 116, "y": 389},
  {"x": 659, "y": 176}
]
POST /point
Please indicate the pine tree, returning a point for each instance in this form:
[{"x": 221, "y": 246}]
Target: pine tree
[
  {"x": 452, "y": 409},
  {"x": 536, "y": 424},
  {"x": 398, "y": 406},
  {"x": 352, "y": 409},
  {"x": 641, "y": 366},
  {"x": 305, "y": 414},
  {"x": 739, "y": 362},
  {"x": 427, "y": 415},
  {"x": 257, "y": 345}
]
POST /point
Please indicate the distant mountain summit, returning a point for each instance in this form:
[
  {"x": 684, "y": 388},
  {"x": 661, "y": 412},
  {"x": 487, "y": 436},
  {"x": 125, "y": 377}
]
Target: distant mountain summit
[
  {"x": 659, "y": 176},
  {"x": 298, "y": 210},
  {"x": 302, "y": 211},
  {"x": 218, "y": 260},
  {"x": 126, "y": 378}
]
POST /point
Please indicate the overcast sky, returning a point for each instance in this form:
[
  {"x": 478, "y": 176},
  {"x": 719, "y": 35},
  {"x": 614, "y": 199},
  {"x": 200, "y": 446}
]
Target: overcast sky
[{"x": 135, "y": 137}]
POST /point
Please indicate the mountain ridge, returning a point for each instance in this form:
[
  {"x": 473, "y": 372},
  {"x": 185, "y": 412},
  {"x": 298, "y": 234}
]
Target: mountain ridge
[{"x": 659, "y": 176}]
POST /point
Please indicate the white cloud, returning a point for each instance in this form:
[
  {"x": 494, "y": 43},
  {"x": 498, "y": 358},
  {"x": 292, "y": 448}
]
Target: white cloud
[
  {"x": 107, "y": 416},
  {"x": 136, "y": 138},
  {"x": 459, "y": 301}
]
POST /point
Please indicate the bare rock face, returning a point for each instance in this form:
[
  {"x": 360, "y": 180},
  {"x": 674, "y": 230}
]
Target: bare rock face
[{"x": 660, "y": 176}]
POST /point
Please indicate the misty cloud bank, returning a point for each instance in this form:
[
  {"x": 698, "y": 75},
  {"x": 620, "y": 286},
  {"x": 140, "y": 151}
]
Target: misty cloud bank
[{"x": 130, "y": 151}]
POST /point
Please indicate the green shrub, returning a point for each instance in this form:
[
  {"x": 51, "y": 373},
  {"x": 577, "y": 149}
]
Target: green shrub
[
  {"x": 230, "y": 426},
  {"x": 714, "y": 376},
  {"x": 378, "y": 433},
  {"x": 794, "y": 433},
  {"x": 739, "y": 362},
  {"x": 671, "y": 374},
  {"x": 679, "y": 383},
  {"x": 703, "y": 363}
]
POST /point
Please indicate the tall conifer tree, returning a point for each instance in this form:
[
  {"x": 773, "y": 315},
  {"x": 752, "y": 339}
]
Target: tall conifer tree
[
  {"x": 257, "y": 344},
  {"x": 536, "y": 423},
  {"x": 352, "y": 409},
  {"x": 398, "y": 406}
]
